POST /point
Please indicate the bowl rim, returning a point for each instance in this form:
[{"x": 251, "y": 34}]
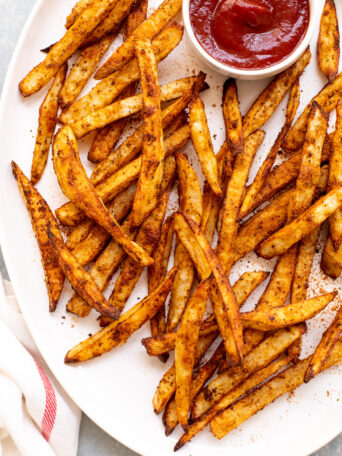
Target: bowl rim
[{"x": 253, "y": 74}]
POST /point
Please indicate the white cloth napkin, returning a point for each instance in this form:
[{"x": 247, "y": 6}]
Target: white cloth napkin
[{"x": 36, "y": 416}]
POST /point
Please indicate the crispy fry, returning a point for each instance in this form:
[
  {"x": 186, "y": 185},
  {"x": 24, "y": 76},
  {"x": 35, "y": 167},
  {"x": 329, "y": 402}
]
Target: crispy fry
[
  {"x": 331, "y": 262},
  {"x": 185, "y": 348},
  {"x": 152, "y": 158},
  {"x": 280, "y": 317},
  {"x": 75, "y": 184},
  {"x": 127, "y": 107},
  {"x": 77, "y": 10},
  {"x": 46, "y": 126},
  {"x": 292, "y": 233},
  {"x": 79, "y": 233},
  {"x": 106, "y": 91},
  {"x": 119, "y": 331},
  {"x": 41, "y": 216},
  {"x": 64, "y": 48},
  {"x": 148, "y": 29},
  {"x": 70, "y": 215},
  {"x": 200, "y": 136},
  {"x": 328, "y": 47},
  {"x": 232, "y": 116},
  {"x": 266, "y": 167},
  {"x": 268, "y": 101},
  {"x": 190, "y": 202}
]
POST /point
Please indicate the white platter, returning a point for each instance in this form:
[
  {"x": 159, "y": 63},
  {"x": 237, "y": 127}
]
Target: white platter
[{"x": 116, "y": 390}]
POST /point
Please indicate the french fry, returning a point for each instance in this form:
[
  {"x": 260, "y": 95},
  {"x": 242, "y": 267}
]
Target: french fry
[
  {"x": 126, "y": 108},
  {"x": 327, "y": 99},
  {"x": 328, "y": 47},
  {"x": 266, "y": 167},
  {"x": 41, "y": 216},
  {"x": 106, "y": 91},
  {"x": 75, "y": 184},
  {"x": 119, "y": 331},
  {"x": 234, "y": 195},
  {"x": 331, "y": 262},
  {"x": 268, "y": 101},
  {"x": 251, "y": 382},
  {"x": 280, "y": 317},
  {"x": 147, "y": 30},
  {"x": 200, "y": 136},
  {"x": 232, "y": 117},
  {"x": 71, "y": 215},
  {"x": 79, "y": 233},
  {"x": 77, "y": 10},
  {"x": 295, "y": 231},
  {"x": 65, "y": 48},
  {"x": 190, "y": 202},
  {"x": 185, "y": 348},
  {"x": 46, "y": 126},
  {"x": 152, "y": 158},
  {"x": 257, "y": 357},
  {"x": 324, "y": 348}
]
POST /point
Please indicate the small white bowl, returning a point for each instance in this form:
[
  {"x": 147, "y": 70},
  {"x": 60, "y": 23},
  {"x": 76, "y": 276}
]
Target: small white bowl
[{"x": 252, "y": 74}]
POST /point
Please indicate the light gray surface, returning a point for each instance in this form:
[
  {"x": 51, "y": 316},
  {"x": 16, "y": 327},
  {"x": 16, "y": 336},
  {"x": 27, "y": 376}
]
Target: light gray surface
[{"x": 92, "y": 439}]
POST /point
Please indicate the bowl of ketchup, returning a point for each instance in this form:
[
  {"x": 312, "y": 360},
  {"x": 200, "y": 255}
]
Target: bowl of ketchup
[{"x": 250, "y": 39}]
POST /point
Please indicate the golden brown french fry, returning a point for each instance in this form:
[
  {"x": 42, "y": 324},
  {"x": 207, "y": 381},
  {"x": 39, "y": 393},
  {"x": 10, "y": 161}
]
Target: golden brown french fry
[
  {"x": 234, "y": 194},
  {"x": 76, "y": 185},
  {"x": 331, "y": 262},
  {"x": 119, "y": 331},
  {"x": 257, "y": 357},
  {"x": 324, "y": 348},
  {"x": 328, "y": 47},
  {"x": 82, "y": 70},
  {"x": 327, "y": 99},
  {"x": 65, "y": 48},
  {"x": 148, "y": 29},
  {"x": 185, "y": 348},
  {"x": 268, "y": 101},
  {"x": 200, "y": 136},
  {"x": 292, "y": 233},
  {"x": 106, "y": 91},
  {"x": 280, "y": 317},
  {"x": 232, "y": 116},
  {"x": 41, "y": 216},
  {"x": 70, "y": 215},
  {"x": 77, "y": 10},
  {"x": 190, "y": 202},
  {"x": 266, "y": 167},
  {"x": 152, "y": 158},
  {"x": 79, "y": 233},
  {"x": 126, "y": 107},
  {"x": 46, "y": 126}
]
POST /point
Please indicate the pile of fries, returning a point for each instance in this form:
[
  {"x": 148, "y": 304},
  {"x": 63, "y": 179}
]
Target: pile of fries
[{"x": 116, "y": 215}]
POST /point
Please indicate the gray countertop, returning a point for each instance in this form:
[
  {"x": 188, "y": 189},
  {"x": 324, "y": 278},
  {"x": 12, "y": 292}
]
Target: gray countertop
[{"x": 92, "y": 439}]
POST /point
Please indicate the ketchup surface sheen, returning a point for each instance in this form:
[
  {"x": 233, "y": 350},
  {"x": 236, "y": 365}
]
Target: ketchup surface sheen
[{"x": 249, "y": 34}]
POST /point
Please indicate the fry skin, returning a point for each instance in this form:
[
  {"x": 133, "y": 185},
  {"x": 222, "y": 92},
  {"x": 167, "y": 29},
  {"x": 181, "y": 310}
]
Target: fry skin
[
  {"x": 46, "y": 126},
  {"x": 78, "y": 9},
  {"x": 41, "y": 216},
  {"x": 232, "y": 116},
  {"x": 328, "y": 47}
]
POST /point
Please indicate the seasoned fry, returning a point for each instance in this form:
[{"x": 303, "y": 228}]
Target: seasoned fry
[
  {"x": 280, "y": 317},
  {"x": 328, "y": 47},
  {"x": 324, "y": 348},
  {"x": 41, "y": 216},
  {"x": 292, "y": 233},
  {"x": 331, "y": 262},
  {"x": 232, "y": 116},
  {"x": 106, "y": 91},
  {"x": 152, "y": 158},
  {"x": 70, "y": 215},
  {"x": 268, "y": 101},
  {"x": 266, "y": 167},
  {"x": 190, "y": 202},
  {"x": 185, "y": 348},
  {"x": 77, "y": 10},
  {"x": 200, "y": 136},
  {"x": 126, "y": 107},
  {"x": 79, "y": 233},
  {"x": 148, "y": 29},
  {"x": 63, "y": 49},
  {"x": 327, "y": 99},
  {"x": 46, "y": 126},
  {"x": 119, "y": 331}
]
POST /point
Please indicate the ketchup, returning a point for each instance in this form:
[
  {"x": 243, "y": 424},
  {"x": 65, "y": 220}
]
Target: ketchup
[{"x": 249, "y": 34}]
